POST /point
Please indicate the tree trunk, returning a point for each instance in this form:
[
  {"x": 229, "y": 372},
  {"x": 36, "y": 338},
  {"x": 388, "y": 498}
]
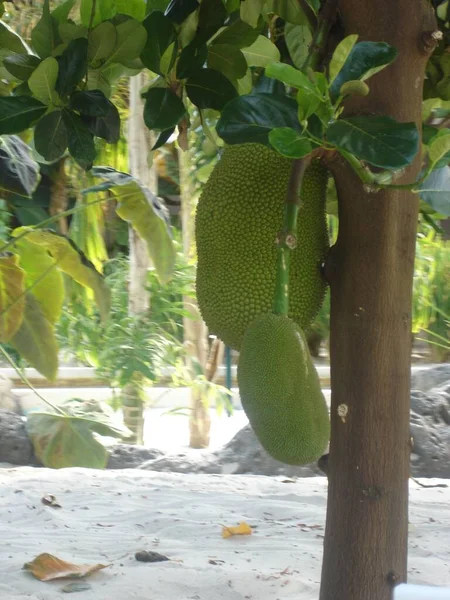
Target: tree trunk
[
  {"x": 195, "y": 331},
  {"x": 370, "y": 270},
  {"x": 133, "y": 397}
]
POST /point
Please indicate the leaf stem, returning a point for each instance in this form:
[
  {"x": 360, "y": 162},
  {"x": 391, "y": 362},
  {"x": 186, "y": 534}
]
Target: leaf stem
[
  {"x": 287, "y": 238},
  {"x": 27, "y": 382},
  {"x": 326, "y": 18}
]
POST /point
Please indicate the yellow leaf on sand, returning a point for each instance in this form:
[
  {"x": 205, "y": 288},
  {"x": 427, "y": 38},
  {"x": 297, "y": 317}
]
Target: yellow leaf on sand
[
  {"x": 241, "y": 529},
  {"x": 47, "y": 567}
]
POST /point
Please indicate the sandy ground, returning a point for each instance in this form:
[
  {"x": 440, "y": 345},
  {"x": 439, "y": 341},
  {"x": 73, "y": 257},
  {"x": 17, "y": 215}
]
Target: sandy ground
[{"x": 107, "y": 516}]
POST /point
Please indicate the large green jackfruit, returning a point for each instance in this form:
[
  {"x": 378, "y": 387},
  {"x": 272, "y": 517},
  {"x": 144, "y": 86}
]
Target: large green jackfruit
[
  {"x": 280, "y": 391},
  {"x": 239, "y": 216}
]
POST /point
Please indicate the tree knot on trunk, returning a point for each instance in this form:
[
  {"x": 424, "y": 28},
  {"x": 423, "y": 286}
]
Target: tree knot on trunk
[
  {"x": 373, "y": 492},
  {"x": 429, "y": 40}
]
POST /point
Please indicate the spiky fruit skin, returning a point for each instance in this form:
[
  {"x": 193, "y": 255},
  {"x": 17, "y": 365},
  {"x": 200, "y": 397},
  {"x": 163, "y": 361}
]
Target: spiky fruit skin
[
  {"x": 280, "y": 391},
  {"x": 239, "y": 215}
]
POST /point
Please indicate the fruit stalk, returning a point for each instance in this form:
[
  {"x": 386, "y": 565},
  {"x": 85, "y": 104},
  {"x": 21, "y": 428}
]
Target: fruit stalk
[{"x": 287, "y": 238}]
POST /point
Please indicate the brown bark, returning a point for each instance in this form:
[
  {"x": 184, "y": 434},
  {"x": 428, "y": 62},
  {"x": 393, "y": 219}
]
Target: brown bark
[{"x": 370, "y": 270}]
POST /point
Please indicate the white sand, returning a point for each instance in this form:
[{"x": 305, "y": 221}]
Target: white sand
[{"x": 107, "y": 516}]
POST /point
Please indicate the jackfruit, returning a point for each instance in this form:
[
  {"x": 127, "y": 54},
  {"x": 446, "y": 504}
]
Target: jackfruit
[
  {"x": 280, "y": 391},
  {"x": 239, "y": 215}
]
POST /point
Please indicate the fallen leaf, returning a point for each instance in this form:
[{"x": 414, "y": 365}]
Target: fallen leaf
[
  {"x": 150, "y": 556},
  {"x": 47, "y": 567},
  {"x": 241, "y": 529},
  {"x": 50, "y": 500},
  {"x": 216, "y": 561},
  {"x": 70, "y": 588}
]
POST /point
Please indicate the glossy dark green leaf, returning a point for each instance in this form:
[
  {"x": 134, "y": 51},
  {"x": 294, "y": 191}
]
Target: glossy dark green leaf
[
  {"x": 45, "y": 37},
  {"x": 50, "y": 136},
  {"x": 290, "y": 143},
  {"x": 250, "y": 118},
  {"x": 163, "y": 109},
  {"x": 21, "y": 65},
  {"x": 163, "y": 138},
  {"x": 179, "y": 10},
  {"x": 99, "y": 114},
  {"x": 80, "y": 140},
  {"x": 267, "y": 85},
  {"x": 228, "y": 60},
  {"x": 18, "y": 113},
  {"x": 435, "y": 190},
  {"x": 160, "y": 34},
  {"x": 381, "y": 141},
  {"x": 210, "y": 89},
  {"x": 93, "y": 103},
  {"x": 238, "y": 34},
  {"x": 364, "y": 60},
  {"x": 211, "y": 17},
  {"x": 73, "y": 64},
  {"x": 10, "y": 41},
  {"x": 192, "y": 58}
]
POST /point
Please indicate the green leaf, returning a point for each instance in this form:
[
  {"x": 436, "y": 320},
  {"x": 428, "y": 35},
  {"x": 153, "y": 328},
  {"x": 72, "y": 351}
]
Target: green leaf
[
  {"x": 314, "y": 5},
  {"x": 19, "y": 174},
  {"x": 188, "y": 29},
  {"x": 192, "y": 58},
  {"x": 163, "y": 138},
  {"x": 438, "y": 147},
  {"x": 101, "y": 43},
  {"x": 179, "y": 10},
  {"x": 99, "y": 114},
  {"x": 10, "y": 40},
  {"x": 21, "y": 65},
  {"x": 244, "y": 84},
  {"x": 289, "y": 10},
  {"x": 42, "y": 81},
  {"x": 381, "y": 141},
  {"x": 435, "y": 190},
  {"x": 35, "y": 340},
  {"x": 251, "y": 118},
  {"x": 131, "y": 40},
  {"x": 98, "y": 80},
  {"x": 80, "y": 140},
  {"x": 93, "y": 103},
  {"x": 146, "y": 214},
  {"x": 298, "y": 39},
  {"x": 50, "y": 136},
  {"x": 365, "y": 59},
  {"x": 70, "y": 31},
  {"x": 340, "y": 55},
  {"x": 237, "y": 34},
  {"x": 104, "y": 10},
  {"x": 160, "y": 35},
  {"x": 228, "y": 60},
  {"x": 163, "y": 109},
  {"x": 133, "y": 8},
  {"x": 18, "y": 113},
  {"x": 210, "y": 89},
  {"x": 250, "y": 11},
  {"x": 71, "y": 261},
  {"x": 67, "y": 440},
  {"x": 168, "y": 59},
  {"x": 211, "y": 17},
  {"x": 73, "y": 65},
  {"x": 61, "y": 13},
  {"x": 291, "y": 76},
  {"x": 41, "y": 272},
  {"x": 45, "y": 37},
  {"x": 261, "y": 53},
  {"x": 12, "y": 285},
  {"x": 290, "y": 143}
]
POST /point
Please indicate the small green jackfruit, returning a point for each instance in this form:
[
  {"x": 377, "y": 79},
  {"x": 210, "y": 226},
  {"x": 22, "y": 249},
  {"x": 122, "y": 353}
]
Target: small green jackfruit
[
  {"x": 239, "y": 216},
  {"x": 280, "y": 391}
]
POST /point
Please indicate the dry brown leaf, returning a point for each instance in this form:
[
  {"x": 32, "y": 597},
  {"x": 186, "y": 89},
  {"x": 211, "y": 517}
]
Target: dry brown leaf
[
  {"x": 241, "y": 529},
  {"x": 47, "y": 567}
]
